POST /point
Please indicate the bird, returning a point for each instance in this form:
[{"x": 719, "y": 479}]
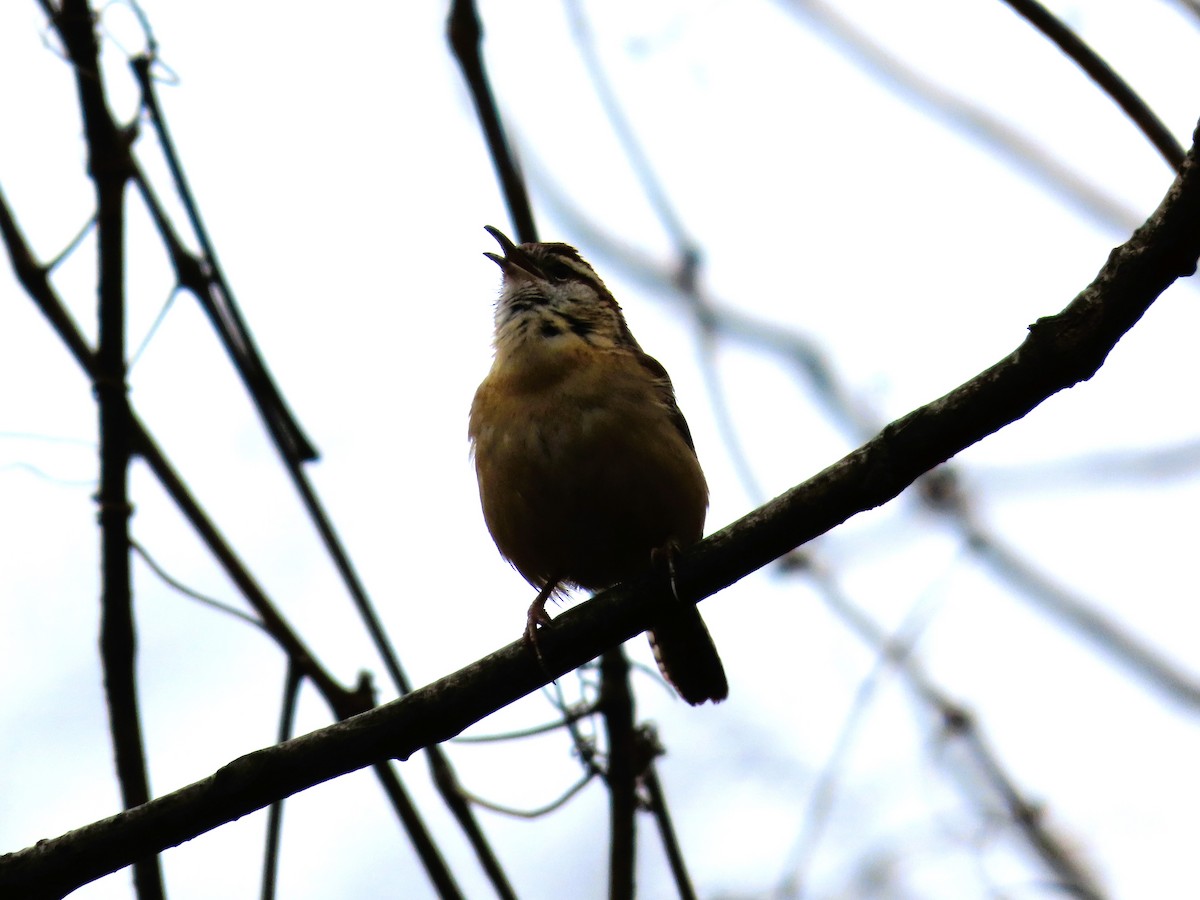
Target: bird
[{"x": 587, "y": 470}]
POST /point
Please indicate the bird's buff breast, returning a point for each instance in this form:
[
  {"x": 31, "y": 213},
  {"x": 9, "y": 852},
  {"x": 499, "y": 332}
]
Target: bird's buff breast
[{"x": 583, "y": 475}]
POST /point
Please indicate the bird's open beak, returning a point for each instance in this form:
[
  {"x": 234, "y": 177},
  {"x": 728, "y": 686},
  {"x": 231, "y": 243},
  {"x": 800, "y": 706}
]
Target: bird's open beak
[{"x": 515, "y": 261}]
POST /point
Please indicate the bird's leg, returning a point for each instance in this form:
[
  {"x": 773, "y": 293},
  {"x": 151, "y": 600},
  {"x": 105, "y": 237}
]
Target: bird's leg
[
  {"x": 668, "y": 553},
  {"x": 537, "y": 616}
]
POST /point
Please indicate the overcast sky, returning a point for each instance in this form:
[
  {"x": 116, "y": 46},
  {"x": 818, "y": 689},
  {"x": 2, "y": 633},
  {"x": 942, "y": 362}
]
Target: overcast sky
[{"x": 341, "y": 173}]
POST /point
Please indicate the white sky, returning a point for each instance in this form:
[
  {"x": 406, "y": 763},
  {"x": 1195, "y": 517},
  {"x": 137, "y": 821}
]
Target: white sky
[{"x": 342, "y": 176}]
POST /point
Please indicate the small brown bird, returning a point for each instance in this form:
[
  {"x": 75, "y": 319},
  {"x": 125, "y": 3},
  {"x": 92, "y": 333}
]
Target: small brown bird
[{"x": 586, "y": 466}]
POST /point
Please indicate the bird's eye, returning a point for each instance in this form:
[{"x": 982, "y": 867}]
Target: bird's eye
[{"x": 557, "y": 271}]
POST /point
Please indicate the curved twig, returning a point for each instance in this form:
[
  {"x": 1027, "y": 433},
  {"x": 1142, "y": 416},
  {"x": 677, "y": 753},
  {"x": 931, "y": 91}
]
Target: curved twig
[{"x": 1105, "y": 78}]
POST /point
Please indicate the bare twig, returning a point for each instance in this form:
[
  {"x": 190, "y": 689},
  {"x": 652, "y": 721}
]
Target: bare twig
[
  {"x": 287, "y": 718},
  {"x": 621, "y": 771},
  {"x": 1009, "y": 145},
  {"x": 110, "y": 168},
  {"x": 1105, "y": 78},
  {"x": 216, "y": 297},
  {"x": 1135, "y": 655},
  {"x": 570, "y": 716},
  {"x": 540, "y": 811},
  {"x": 666, "y": 829},
  {"x": 893, "y": 651},
  {"x": 958, "y": 724},
  {"x": 465, "y": 34},
  {"x": 190, "y": 592}
]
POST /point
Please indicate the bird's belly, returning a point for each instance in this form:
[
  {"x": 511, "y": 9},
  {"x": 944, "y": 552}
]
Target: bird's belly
[{"x": 585, "y": 491}]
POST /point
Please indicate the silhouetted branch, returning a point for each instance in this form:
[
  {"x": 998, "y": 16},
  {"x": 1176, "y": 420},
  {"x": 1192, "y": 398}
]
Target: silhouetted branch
[
  {"x": 666, "y": 829},
  {"x": 110, "y": 168},
  {"x": 540, "y": 811},
  {"x": 625, "y": 134},
  {"x": 287, "y": 718},
  {"x": 1105, "y": 78},
  {"x": 465, "y": 34},
  {"x": 213, "y": 291},
  {"x": 570, "y": 716},
  {"x": 621, "y": 771},
  {"x": 178, "y": 585}
]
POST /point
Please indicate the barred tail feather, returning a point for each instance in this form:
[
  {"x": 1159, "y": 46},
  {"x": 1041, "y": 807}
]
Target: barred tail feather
[{"x": 687, "y": 656}]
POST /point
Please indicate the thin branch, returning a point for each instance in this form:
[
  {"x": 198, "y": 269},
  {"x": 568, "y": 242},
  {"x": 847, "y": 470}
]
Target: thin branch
[
  {"x": 965, "y": 117},
  {"x": 540, "y": 811},
  {"x": 1060, "y": 351},
  {"x": 1135, "y": 655},
  {"x": 687, "y": 250},
  {"x": 154, "y": 326},
  {"x": 72, "y": 245},
  {"x": 666, "y": 828},
  {"x": 191, "y": 592},
  {"x": 942, "y": 492},
  {"x": 219, "y": 303},
  {"x": 33, "y": 277},
  {"x": 626, "y": 135},
  {"x": 465, "y": 34},
  {"x": 570, "y": 716},
  {"x": 287, "y": 719},
  {"x": 958, "y": 724},
  {"x": 584, "y": 745},
  {"x": 110, "y": 168},
  {"x": 891, "y": 651},
  {"x": 1096, "y": 470},
  {"x": 621, "y": 774},
  {"x": 1105, "y": 78}
]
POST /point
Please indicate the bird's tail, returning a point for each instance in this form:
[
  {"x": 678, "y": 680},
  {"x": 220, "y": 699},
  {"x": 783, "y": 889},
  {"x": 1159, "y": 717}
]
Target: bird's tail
[{"x": 687, "y": 656}]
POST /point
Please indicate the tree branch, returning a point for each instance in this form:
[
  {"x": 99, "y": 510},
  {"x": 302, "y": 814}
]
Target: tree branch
[
  {"x": 110, "y": 168},
  {"x": 465, "y": 34},
  {"x": 1103, "y": 75},
  {"x": 616, "y": 707}
]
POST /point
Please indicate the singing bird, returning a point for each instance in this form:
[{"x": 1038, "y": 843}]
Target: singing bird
[{"x": 586, "y": 467}]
